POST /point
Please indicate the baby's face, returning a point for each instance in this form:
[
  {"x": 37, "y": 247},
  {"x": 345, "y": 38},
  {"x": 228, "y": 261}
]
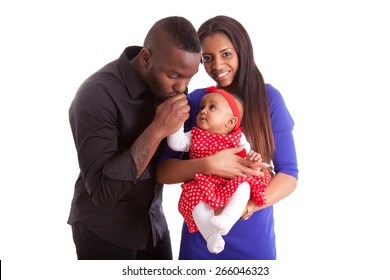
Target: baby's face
[{"x": 215, "y": 114}]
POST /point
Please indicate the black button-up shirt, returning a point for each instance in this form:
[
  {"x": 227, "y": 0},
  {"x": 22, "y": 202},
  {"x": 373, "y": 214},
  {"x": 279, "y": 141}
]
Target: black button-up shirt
[{"x": 110, "y": 110}]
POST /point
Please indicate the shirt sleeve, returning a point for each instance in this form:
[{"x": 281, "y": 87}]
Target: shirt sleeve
[
  {"x": 107, "y": 172},
  {"x": 285, "y": 158}
]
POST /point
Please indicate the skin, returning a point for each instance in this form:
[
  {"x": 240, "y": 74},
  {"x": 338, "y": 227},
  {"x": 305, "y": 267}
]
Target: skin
[
  {"x": 167, "y": 75},
  {"x": 215, "y": 114},
  {"x": 220, "y": 60}
]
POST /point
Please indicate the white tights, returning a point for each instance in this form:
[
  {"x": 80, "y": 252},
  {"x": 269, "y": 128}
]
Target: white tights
[{"x": 213, "y": 227}]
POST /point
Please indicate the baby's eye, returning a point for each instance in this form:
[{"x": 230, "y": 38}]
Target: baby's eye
[{"x": 212, "y": 107}]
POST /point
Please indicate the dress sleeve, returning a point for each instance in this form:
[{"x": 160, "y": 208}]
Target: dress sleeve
[{"x": 285, "y": 158}]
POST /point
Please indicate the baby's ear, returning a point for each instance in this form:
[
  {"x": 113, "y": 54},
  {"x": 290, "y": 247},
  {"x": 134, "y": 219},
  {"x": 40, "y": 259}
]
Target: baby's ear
[{"x": 232, "y": 122}]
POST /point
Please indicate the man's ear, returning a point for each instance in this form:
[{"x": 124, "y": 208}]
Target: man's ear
[
  {"x": 145, "y": 57},
  {"x": 232, "y": 122}
]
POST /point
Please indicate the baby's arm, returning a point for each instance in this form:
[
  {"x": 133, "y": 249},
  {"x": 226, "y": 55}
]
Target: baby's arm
[
  {"x": 250, "y": 154},
  {"x": 180, "y": 141},
  {"x": 245, "y": 143}
]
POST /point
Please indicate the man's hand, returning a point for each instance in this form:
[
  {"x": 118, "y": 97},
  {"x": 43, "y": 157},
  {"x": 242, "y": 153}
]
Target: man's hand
[{"x": 171, "y": 114}]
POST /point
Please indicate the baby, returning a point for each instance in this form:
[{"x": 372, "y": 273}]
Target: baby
[{"x": 218, "y": 127}]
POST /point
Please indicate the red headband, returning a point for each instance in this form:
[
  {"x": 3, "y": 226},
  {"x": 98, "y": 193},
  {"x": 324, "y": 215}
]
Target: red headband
[{"x": 232, "y": 103}]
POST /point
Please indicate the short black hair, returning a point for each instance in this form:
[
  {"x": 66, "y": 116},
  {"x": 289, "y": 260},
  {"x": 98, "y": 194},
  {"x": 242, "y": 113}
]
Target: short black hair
[{"x": 174, "y": 30}]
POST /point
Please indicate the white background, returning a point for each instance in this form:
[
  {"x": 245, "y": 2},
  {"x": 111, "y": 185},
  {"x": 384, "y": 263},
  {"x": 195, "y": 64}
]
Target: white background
[{"x": 329, "y": 59}]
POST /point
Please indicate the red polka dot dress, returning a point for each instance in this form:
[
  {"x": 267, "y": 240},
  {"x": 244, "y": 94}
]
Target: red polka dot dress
[{"x": 212, "y": 189}]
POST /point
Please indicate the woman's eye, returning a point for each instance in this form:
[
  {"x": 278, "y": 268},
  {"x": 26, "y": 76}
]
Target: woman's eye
[
  {"x": 227, "y": 54},
  {"x": 206, "y": 58}
]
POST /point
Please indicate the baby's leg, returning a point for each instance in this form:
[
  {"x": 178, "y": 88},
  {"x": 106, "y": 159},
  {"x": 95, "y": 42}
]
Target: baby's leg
[
  {"x": 203, "y": 213},
  {"x": 233, "y": 209}
]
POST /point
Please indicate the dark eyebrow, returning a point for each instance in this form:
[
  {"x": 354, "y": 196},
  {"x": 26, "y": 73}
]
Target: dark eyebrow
[{"x": 227, "y": 49}]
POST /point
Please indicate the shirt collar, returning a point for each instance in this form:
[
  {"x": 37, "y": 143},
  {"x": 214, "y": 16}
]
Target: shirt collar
[{"x": 134, "y": 84}]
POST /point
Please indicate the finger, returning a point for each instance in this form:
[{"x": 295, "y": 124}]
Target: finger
[
  {"x": 248, "y": 213},
  {"x": 176, "y": 100},
  {"x": 249, "y": 171},
  {"x": 178, "y": 104},
  {"x": 177, "y": 96},
  {"x": 265, "y": 165}
]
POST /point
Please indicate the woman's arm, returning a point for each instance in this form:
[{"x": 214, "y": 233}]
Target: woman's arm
[
  {"x": 280, "y": 186},
  {"x": 224, "y": 164},
  {"x": 284, "y": 158}
]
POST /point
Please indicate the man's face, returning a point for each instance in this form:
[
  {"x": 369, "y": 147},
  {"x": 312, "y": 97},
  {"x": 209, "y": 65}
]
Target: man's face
[{"x": 170, "y": 72}]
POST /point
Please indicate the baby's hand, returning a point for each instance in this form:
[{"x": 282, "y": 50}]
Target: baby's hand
[{"x": 253, "y": 156}]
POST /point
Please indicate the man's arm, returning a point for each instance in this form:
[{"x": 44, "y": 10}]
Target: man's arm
[{"x": 170, "y": 115}]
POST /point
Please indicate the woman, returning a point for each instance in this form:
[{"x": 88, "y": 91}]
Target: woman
[{"x": 228, "y": 59}]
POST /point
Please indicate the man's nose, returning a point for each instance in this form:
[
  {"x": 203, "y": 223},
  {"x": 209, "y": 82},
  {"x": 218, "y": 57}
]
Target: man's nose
[{"x": 181, "y": 88}]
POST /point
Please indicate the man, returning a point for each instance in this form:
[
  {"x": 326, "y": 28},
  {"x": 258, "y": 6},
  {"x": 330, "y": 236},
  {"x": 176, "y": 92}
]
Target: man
[{"x": 119, "y": 117}]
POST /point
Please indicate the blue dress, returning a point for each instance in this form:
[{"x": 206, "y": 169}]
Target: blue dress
[{"x": 253, "y": 239}]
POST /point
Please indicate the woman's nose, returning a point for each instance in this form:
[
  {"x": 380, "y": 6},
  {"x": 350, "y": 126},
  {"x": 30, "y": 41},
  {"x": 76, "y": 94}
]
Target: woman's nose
[{"x": 217, "y": 64}]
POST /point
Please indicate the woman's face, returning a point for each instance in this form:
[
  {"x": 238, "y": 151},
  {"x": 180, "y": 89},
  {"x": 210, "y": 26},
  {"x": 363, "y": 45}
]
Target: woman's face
[{"x": 220, "y": 59}]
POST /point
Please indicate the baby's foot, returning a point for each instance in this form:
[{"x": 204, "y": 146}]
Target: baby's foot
[
  {"x": 223, "y": 223},
  {"x": 215, "y": 243}
]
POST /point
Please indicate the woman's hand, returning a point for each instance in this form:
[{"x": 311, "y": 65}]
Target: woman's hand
[
  {"x": 249, "y": 210},
  {"x": 228, "y": 165}
]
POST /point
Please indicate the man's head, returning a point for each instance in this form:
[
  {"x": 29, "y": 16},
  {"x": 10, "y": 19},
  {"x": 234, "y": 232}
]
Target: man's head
[{"x": 170, "y": 56}]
